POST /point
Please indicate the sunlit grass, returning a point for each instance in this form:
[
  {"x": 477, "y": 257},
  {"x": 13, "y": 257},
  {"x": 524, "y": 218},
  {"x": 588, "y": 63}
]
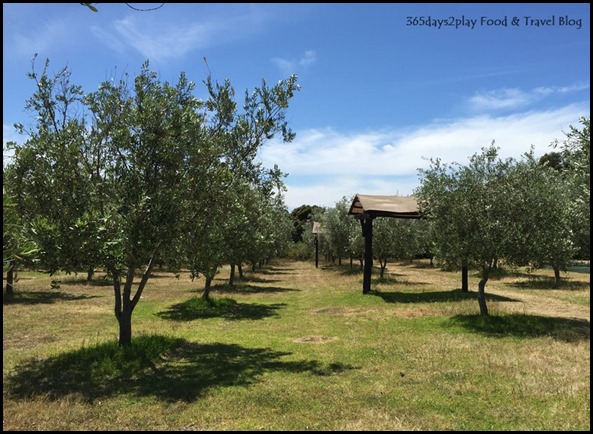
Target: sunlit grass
[{"x": 292, "y": 347}]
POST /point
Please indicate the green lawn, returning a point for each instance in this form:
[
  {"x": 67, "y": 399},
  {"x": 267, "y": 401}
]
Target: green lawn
[{"x": 293, "y": 347}]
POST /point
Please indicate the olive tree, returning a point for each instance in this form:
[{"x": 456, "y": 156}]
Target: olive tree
[
  {"x": 467, "y": 205},
  {"x": 270, "y": 227},
  {"x": 493, "y": 209},
  {"x": 48, "y": 183},
  {"x": 128, "y": 167},
  {"x": 539, "y": 207},
  {"x": 232, "y": 139},
  {"x": 335, "y": 222},
  {"x": 18, "y": 246},
  {"x": 576, "y": 157},
  {"x": 394, "y": 239}
]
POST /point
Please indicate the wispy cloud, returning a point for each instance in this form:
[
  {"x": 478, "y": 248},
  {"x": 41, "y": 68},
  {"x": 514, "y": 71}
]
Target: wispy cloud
[
  {"x": 324, "y": 164},
  {"x": 293, "y": 65},
  {"x": 165, "y": 40},
  {"x": 174, "y": 43},
  {"x": 500, "y": 99},
  {"x": 42, "y": 39},
  {"x": 513, "y": 98}
]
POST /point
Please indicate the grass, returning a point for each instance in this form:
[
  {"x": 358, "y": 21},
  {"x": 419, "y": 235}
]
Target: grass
[{"x": 294, "y": 347}]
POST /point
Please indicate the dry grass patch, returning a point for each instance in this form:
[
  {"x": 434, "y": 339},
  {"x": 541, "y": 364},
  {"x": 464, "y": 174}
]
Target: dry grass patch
[
  {"x": 341, "y": 311},
  {"x": 415, "y": 313}
]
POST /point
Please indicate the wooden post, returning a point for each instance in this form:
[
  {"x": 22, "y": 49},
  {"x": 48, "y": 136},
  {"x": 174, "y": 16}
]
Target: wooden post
[
  {"x": 367, "y": 232},
  {"x": 316, "y": 251},
  {"x": 316, "y": 230}
]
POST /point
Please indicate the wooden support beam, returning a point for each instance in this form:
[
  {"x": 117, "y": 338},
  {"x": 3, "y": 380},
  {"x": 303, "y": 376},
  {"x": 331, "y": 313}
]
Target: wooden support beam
[
  {"x": 316, "y": 251},
  {"x": 367, "y": 233}
]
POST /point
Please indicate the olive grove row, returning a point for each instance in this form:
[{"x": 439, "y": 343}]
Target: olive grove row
[
  {"x": 140, "y": 172},
  {"x": 524, "y": 212}
]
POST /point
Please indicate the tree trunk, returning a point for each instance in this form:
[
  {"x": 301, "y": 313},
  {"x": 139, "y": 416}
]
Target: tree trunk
[
  {"x": 125, "y": 304},
  {"x": 464, "y": 280},
  {"x": 125, "y": 326},
  {"x": 556, "y": 275},
  {"x": 10, "y": 278},
  {"x": 89, "y": 274},
  {"x": 383, "y": 264},
  {"x": 206, "y": 293},
  {"x": 123, "y": 307},
  {"x": 481, "y": 293},
  {"x": 125, "y": 313},
  {"x": 240, "y": 271},
  {"x": 232, "y": 276}
]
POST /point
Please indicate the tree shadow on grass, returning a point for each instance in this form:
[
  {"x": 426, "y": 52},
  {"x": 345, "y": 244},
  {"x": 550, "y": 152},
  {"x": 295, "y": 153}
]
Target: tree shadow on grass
[
  {"x": 502, "y": 273},
  {"x": 256, "y": 279},
  {"x": 42, "y": 297},
  {"x": 423, "y": 265},
  {"x": 579, "y": 268},
  {"x": 227, "y": 308},
  {"x": 166, "y": 368},
  {"x": 344, "y": 269},
  {"x": 527, "y": 326},
  {"x": 241, "y": 288},
  {"x": 101, "y": 279},
  {"x": 541, "y": 282},
  {"x": 391, "y": 279},
  {"x": 270, "y": 270},
  {"x": 434, "y": 296},
  {"x": 84, "y": 282}
]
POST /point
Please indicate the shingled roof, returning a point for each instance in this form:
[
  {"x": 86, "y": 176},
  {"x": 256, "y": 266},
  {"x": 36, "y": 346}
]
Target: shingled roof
[{"x": 385, "y": 206}]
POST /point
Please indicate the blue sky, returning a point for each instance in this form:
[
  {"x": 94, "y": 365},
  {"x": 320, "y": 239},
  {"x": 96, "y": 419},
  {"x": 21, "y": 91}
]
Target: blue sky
[{"x": 381, "y": 91}]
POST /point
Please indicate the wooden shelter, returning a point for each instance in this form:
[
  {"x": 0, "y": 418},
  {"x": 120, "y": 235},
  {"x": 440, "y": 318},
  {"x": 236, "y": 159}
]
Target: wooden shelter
[{"x": 366, "y": 207}]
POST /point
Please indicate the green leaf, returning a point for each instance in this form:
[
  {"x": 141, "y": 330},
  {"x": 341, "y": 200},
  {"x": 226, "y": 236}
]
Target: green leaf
[{"x": 90, "y": 6}]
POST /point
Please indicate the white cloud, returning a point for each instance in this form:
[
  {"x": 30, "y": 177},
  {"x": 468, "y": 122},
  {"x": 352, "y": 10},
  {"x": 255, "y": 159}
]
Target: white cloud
[
  {"x": 512, "y": 98},
  {"x": 326, "y": 191},
  {"x": 291, "y": 66},
  {"x": 324, "y": 165},
  {"x": 9, "y": 135},
  {"x": 308, "y": 58}
]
